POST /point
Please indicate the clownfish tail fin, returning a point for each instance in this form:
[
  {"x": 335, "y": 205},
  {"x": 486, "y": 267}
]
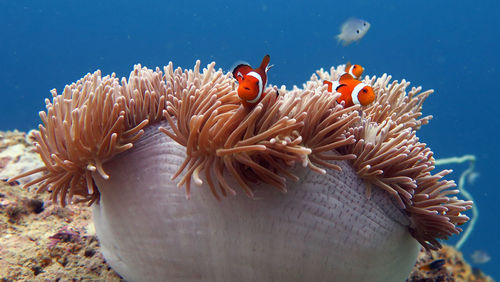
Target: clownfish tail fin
[{"x": 330, "y": 85}]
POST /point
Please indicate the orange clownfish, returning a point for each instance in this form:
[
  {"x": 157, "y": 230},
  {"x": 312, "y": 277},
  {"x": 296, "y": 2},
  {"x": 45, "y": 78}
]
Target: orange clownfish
[
  {"x": 252, "y": 82},
  {"x": 353, "y": 91},
  {"x": 355, "y": 70}
]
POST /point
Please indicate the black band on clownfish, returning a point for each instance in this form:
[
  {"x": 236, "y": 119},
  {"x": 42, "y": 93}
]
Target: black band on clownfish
[{"x": 252, "y": 82}]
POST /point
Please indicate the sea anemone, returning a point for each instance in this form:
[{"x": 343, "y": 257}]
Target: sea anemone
[{"x": 332, "y": 193}]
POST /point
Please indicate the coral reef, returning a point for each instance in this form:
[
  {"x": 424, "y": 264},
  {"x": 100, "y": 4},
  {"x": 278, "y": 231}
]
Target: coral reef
[
  {"x": 455, "y": 267},
  {"x": 39, "y": 239}
]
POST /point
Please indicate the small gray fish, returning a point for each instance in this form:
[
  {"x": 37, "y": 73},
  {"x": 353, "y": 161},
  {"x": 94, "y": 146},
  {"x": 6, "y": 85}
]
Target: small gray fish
[
  {"x": 352, "y": 30},
  {"x": 480, "y": 256}
]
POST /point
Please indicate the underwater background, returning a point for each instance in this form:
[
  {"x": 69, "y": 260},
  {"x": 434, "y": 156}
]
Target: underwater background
[{"x": 450, "y": 46}]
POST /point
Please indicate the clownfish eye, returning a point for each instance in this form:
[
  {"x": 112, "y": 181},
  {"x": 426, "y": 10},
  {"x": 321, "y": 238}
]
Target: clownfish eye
[
  {"x": 354, "y": 66},
  {"x": 364, "y": 90}
]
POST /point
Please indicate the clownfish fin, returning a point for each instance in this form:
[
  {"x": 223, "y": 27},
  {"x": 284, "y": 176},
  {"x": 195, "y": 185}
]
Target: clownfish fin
[
  {"x": 340, "y": 87},
  {"x": 330, "y": 85},
  {"x": 237, "y": 63},
  {"x": 268, "y": 67},
  {"x": 241, "y": 70},
  {"x": 348, "y": 65},
  {"x": 345, "y": 77},
  {"x": 265, "y": 63}
]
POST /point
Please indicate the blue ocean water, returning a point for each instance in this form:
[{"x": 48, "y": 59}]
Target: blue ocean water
[{"x": 450, "y": 46}]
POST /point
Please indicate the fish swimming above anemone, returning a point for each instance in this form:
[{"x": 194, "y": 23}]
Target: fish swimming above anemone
[
  {"x": 352, "y": 30},
  {"x": 252, "y": 82}
]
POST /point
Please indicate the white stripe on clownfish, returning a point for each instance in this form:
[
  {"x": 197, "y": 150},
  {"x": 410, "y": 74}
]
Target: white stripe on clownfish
[
  {"x": 352, "y": 91},
  {"x": 355, "y": 93},
  {"x": 335, "y": 84},
  {"x": 354, "y": 70},
  {"x": 350, "y": 72},
  {"x": 332, "y": 85},
  {"x": 261, "y": 87},
  {"x": 251, "y": 86}
]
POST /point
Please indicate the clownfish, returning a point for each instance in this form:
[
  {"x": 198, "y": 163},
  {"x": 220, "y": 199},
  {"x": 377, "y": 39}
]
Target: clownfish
[
  {"x": 353, "y": 91},
  {"x": 252, "y": 82},
  {"x": 355, "y": 70}
]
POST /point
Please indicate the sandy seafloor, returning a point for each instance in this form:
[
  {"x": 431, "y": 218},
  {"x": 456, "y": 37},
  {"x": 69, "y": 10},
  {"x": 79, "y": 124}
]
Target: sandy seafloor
[{"x": 43, "y": 241}]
